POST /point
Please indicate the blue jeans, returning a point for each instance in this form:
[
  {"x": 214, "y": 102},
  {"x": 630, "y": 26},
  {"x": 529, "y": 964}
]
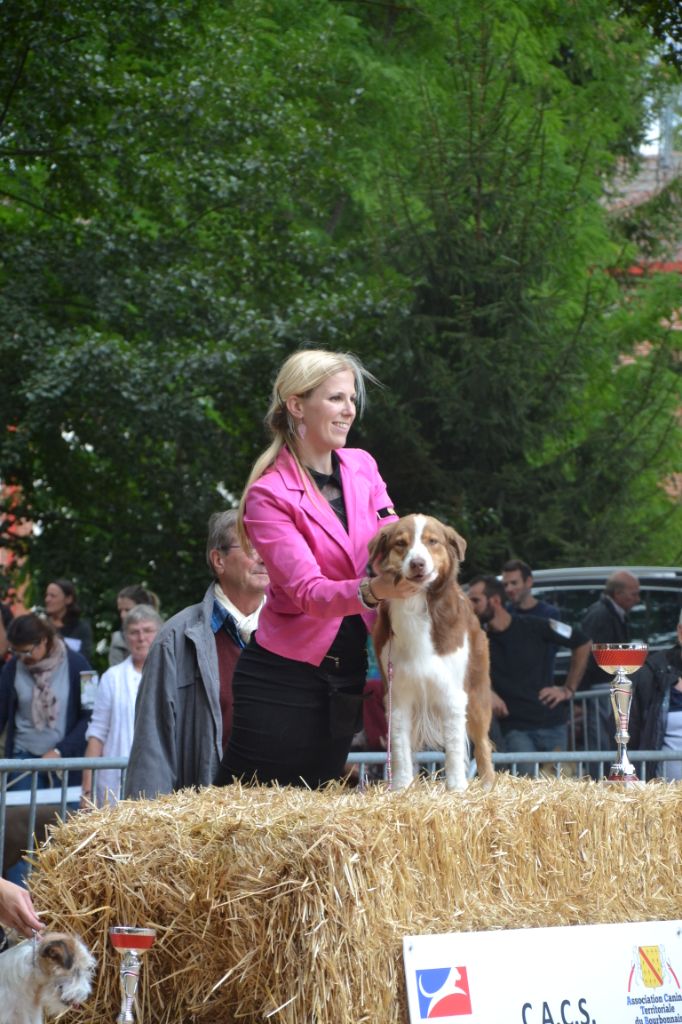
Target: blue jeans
[{"x": 544, "y": 739}]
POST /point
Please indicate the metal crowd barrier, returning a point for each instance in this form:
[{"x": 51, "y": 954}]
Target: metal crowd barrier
[
  {"x": 583, "y": 710},
  {"x": 579, "y": 760},
  {"x": 25, "y": 811},
  {"x": 565, "y": 763}
]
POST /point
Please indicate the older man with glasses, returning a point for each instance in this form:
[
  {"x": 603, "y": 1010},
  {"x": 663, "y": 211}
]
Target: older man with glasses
[{"x": 183, "y": 715}]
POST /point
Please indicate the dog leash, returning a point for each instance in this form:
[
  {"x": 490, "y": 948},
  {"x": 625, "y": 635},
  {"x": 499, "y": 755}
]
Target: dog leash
[{"x": 389, "y": 713}]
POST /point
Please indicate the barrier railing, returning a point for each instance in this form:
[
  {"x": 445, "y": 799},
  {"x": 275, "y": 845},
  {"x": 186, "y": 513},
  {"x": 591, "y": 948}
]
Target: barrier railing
[
  {"x": 26, "y": 808},
  {"x": 432, "y": 761},
  {"x": 583, "y": 711},
  {"x": 25, "y": 813}
]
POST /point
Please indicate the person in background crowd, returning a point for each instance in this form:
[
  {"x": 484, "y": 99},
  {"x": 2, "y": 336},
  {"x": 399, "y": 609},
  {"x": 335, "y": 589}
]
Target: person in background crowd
[
  {"x": 5, "y": 619},
  {"x": 183, "y": 714},
  {"x": 656, "y": 712},
  {"x": 110, "y": 732},
  {"x": 517, "y": 578},
  {"x": 532, "y": 713},
  {"x": 61, "y": 608},
  {"x": 310, "y": 507},
  {"x": 373, "y": 736},
  {"x": 125, "y": 601},
  {"x": 606, "y": 622},
  {"x": 40, "y": 696}
]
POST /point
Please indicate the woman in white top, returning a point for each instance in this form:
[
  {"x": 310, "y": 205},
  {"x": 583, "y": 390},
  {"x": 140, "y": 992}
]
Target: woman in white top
[
  {"x": 125, "y": 602},
  {"x": 110, "y": 733}
]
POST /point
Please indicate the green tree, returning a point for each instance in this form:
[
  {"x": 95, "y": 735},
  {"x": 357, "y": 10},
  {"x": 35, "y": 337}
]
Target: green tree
[
  {"x": 168, "y": 190},
  {"x": 513, "y": 399},
  {"x": 190, "y": 191}
]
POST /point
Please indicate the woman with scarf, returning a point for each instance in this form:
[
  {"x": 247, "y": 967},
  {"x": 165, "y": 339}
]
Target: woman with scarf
[{"x": 40, "y": 696}]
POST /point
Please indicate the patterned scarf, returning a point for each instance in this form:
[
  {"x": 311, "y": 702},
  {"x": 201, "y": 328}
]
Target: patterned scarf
[{"x": 44, "y": 704}]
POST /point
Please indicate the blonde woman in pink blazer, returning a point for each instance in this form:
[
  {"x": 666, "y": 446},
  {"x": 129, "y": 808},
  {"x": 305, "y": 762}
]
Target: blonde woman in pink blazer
[{"x": 310, "y": 508}]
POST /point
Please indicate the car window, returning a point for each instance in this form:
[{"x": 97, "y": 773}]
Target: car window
[
  {"x": 663, "y": 615},
  {"x": 654, "y": 619},
  {"x": 572, "y": 602}
]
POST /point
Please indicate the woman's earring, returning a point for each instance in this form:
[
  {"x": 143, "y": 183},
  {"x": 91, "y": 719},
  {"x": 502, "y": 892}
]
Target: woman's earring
[{"x": 301, "y": 430}]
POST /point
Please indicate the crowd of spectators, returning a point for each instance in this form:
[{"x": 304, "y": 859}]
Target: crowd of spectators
[
  {"x": 175, "y": 727},
  {"x": 265, "y": 677}
]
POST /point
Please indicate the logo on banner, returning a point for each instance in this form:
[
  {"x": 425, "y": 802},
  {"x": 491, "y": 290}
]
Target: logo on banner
[
  {"x": 651, "y": 968},
  {"x": 443, "y": 992}
]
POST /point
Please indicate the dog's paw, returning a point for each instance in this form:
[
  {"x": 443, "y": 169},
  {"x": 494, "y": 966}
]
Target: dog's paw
[
  {"x": 487, "y": 782},
  {"x": 401, "y": 780}
]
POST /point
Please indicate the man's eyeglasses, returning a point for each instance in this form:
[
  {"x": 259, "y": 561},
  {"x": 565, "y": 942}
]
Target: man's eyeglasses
[
  {"x": 26, "y": 653},
  {"x": 250, "y": 553}
]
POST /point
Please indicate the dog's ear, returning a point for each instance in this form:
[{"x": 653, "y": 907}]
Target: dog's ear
[
  {"x": 378, "y": 546},
  {"x": 57, "y": 953},
  {"x": 457, "y": 543}
]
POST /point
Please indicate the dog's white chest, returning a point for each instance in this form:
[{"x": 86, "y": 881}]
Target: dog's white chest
[{"x": 412, "y": 651}]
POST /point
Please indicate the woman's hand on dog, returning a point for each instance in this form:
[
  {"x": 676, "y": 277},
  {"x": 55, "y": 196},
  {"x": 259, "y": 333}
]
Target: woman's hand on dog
[
  {"x": 16, "y": 909},
  {"x": 385, "y": 587}
]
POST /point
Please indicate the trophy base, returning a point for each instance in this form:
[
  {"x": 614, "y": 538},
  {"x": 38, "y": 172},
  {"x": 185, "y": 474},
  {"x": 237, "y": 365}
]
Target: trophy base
[{"x": 624, "y": 776}]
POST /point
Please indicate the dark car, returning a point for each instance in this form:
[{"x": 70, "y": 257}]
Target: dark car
[{"x": 654, "y": 619}]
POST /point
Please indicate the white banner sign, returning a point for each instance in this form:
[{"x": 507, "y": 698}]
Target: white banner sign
[{"x": 592, "y": 974}]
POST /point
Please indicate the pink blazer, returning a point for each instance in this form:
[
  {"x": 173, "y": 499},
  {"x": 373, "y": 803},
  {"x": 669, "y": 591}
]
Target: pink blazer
[{"x": 315, "y": 567}]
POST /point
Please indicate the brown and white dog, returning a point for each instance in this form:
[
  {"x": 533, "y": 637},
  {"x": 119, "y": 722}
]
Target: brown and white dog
[
  {"x": 53, "y": 976},
  {"x": 438, "y": 652}
]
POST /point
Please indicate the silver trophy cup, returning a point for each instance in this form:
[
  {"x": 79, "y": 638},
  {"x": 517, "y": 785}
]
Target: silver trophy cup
[
  {"x": 131, "y": 943},
  {"x": 618, "y": 659}
]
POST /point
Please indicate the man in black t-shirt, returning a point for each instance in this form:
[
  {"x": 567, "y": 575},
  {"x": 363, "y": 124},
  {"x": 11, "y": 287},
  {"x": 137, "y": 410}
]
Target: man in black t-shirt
[
  {"x": 532, "y": 713},
  {"x": 517, "y": 578}
]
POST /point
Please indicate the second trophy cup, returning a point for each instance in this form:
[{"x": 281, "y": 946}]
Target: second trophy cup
[
  {"x": 131, "y": 943},
  {"x": 618, "y": 660}
]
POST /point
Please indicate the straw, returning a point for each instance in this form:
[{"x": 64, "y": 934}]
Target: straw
[{"x": 290, "y": 906}]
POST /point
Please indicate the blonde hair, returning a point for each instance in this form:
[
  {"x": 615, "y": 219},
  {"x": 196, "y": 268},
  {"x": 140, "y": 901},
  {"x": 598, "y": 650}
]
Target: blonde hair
[{"x": 299, "y": 375}]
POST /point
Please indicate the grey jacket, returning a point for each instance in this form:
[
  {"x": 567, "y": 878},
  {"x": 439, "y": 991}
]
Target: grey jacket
[{"x": 178, "y": 724}]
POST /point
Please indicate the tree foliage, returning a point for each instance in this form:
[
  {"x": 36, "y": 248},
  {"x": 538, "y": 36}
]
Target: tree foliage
[
  {"x": 519, "y": 322},
  {"x": 190, "y": 191},
  {"x": 663, "y": 19},
  {"x": 165, "y": 235}
]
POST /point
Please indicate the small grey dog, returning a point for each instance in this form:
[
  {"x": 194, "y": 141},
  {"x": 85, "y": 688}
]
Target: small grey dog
[{"x": 49, "y": 976}]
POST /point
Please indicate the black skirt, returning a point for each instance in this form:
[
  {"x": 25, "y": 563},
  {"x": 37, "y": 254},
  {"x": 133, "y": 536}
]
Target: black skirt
[{"x": 293, "y": 722}]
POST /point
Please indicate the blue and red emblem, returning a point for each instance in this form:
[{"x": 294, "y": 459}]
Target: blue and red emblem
[{"x": 443, "y": 992}]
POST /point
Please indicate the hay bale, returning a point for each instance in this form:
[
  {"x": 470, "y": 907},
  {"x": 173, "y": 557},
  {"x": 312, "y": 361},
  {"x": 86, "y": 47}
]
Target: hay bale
[{"x": 290, "y": 906}]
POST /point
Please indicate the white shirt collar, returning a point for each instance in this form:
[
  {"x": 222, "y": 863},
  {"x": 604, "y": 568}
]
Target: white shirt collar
[{"x": 245, "y": 623}]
